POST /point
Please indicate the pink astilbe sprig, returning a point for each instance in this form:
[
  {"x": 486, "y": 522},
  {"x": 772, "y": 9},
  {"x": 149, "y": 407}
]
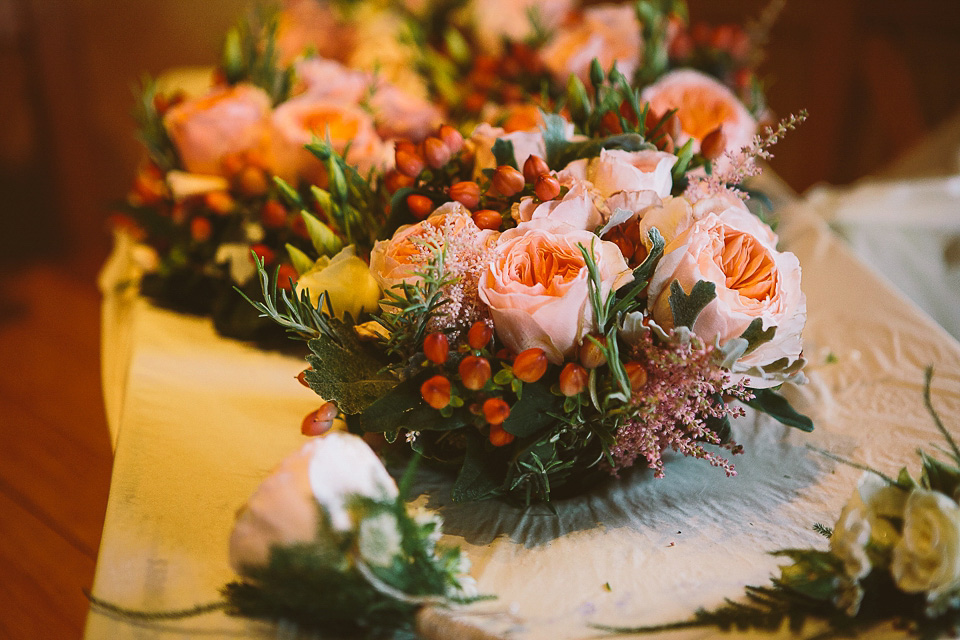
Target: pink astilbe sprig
[
  {"x": 742, "y": 164},
  {"x": 671, "y": 410}
]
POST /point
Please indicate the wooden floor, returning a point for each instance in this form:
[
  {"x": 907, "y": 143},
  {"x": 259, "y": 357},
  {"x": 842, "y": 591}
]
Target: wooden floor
[{"x": 55, "y": 454}]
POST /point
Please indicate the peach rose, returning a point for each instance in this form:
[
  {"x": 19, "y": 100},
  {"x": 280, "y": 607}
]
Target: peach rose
[
  {"x": 226, "y": 121},
  {"x": 537, "y": 286},
  {"x": 311, "y": 25},
  {"x": 399, "y": 114},
  {"x": 609, "y": 33},
  {"x": 615, "y": 170},
  {"x": 494, "y": 20},
  {"x": 296, "y": 121},
  {"x": 728, "y": 246},
  {"x": 702, "y": 104},
  {"x": 323, "y": 78},
  {"x": 398, "y": 259},
  {"x": 320, "y": 477},
  {"x": 576, "y": 208}
]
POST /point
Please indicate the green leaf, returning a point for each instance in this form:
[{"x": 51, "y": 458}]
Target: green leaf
[
  {"x": 301, "y": 261},
  {"x": 756, "y": 336},
  {"x": 554, "y": 138},
  {"x": 530, "y": 414},
  {"x": 641, "y": 275},
  {"x": 939, "y": 476},
  {"x": 481, "y": 474},
  {"x": 687, "y": 306},
  {"x": 346, "y": 373},
  {"x": 504, "y": 154},
  {"x": 776, "y": 406},
  {"x": 402, "y": 406}
]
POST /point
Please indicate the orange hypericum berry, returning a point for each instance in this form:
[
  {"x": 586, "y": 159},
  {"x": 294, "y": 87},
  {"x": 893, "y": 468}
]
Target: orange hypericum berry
[
  {"x": 508, "y": 181},
  {"x": 420, "y": 206},
  {"x": 672, "y": 126},
  {"x": 592, "y": 356},
  {"x": 466, "y": 193},
  {"x": 436, "y": 347},
  {"x": 479, "y": 335},
  {"x": 148, "y": 189},
  {"x": 436, "y": 152},
  {"x": 547, "y": 187},
  {"x": 265, "y": 253},
  {"x": 666, "y": 144},
  {"x": 533, "y": 168},
  {"x": 487, "y": 219},
  {"x": 394, "y": 181},
  {"x": 252, "y": 181},
  {"x": 713, "y": 144},
  {"x": 451, "y": 137},
  {"x": 273, "y": 215},
  {"x": 681, "y": 46},
  {"x": 409, "y": 162},
  {"x": 200, "y": 229},
  {"x": 530, "y": 364},
  {"x": 474, "y": 372},
  {"x": 219, "y": 202},
  {"x": 495, "y": 410},
  {"x": 286, "y": 273},
  {"x": 436, "y": 392},
  {"x": 573, "y": 379},
  {"x": 499, "y": 437},
  {"x": 232, "y": 164},
  {"x": 475, "y": 102},
  {"x": 636, "y": 373},
  {"x": 302, "y": 376},
  {"x": 318, "y": 422}
]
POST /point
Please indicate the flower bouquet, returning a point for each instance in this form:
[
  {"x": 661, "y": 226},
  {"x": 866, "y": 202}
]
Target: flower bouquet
[
  {"x": 556, "y": 305},
  {"x": 360, "y": 76}
]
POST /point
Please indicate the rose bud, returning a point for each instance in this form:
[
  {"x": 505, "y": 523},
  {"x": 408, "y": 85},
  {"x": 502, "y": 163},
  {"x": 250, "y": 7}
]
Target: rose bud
[
  {"x": 318, "y": 422},
  {"x": 451, "y": 137},
  {"x": 200, "y": 229},
  {"x": 273, "y": 215},
  {"x": 474, "y": 372},
  {"x": 547, "y": 187},
  {"x": 420, "y": 206},
  {"x": 651, "y": 119},
  {"x": 591, "y": 355},
  {"x": 499, "y": 437},
  {"x": 487, "y": 219},
  {"x": 286, "y": 273},
  {"x": 508, "y": 181},
  {"x": 479, "y": 335},
  {"x": 409, "y": 162},
  {"x": 533, "y": 168},
  {"x": 436, "y": 152},
  {"x": 573, "y": 379},
  {"x": 673, "y": 126},
  {"x": 466, "y": 193},
  {"x": 302, "y": 377},
  {"x": 219, "y": 202},
  {"x": 436, "y": 347},
  {"x": 636, "y": 373},
  {"x": 713, "y": 144},
  {"x": 665, "y": 143},
  {"x": 495, "y": 411},
  {"x": 530, "y": 364},
  {"x": 436, "y": 392}
]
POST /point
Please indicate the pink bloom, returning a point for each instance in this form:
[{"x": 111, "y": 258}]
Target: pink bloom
[
  {"x": 702, "y": 104},
  {"x": 297, "y": 121},
  {"x": 308, "y": 24},
  {"x": 495, "y": 20},
  {"x": 323, "y": 78},
  {"x": 537, "y": 286},
  {"x": 399, "y": 114},
  {"x": 731, "y": 248},
  {"x": 577, "y": 208},
  {"x": 615, "y": 170},
  {"x": 609, "y": 33},
  {"x": 228, "y": 120},
  {"x": 525, "y": 144}
]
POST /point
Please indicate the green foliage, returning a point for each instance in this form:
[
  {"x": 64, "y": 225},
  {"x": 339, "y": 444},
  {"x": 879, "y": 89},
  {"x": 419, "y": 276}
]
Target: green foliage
[
  {"x": 687, "y": 306},
  {"x": 755, "y": 335},
  {"x": 345, "y": 372},
  {"x": 299, "y": 316},
  {"x": 503, "y": 153},
  {"x": 150, "y": 129},
  {"x": 250, "y": 55},
  {"x": 776, "y": 406}
]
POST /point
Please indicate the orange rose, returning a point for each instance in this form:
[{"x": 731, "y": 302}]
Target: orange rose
[{"x": 226, "y": 121}]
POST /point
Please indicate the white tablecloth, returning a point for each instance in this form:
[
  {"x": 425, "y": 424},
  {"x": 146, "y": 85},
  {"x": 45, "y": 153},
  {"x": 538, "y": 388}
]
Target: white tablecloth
[{"x": 201, "y": 420}]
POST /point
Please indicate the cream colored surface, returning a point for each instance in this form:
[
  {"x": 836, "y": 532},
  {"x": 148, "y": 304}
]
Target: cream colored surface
[{"x": 203, "y": 419}]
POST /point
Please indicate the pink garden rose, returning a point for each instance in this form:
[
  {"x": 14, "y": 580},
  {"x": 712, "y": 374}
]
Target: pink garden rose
[
  {"x": 609, "y": 33},
  {"x": 525, "y": 144},
  {"x": 576, "y": 208},
  {"x": 296, "y": 121},
  {"x": 494, "y": 20},
  {"x": 399, "y": 114},
  {"x": 702, "y": 104},
  {"x": 311, "y": 25},
  {"x": 324, "y": 78},
  {"x": 228, "y": 120},
  {"x": 728, "y": 246},
  {"x": 615, "y": 170},
  {"x": 537, "y": 286}
]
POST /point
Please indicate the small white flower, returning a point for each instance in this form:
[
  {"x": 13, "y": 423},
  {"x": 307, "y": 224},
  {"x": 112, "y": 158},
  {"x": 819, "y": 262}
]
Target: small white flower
[
  {"x": 412, "y": 436},
  {"x": 865, "y": 519}
]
